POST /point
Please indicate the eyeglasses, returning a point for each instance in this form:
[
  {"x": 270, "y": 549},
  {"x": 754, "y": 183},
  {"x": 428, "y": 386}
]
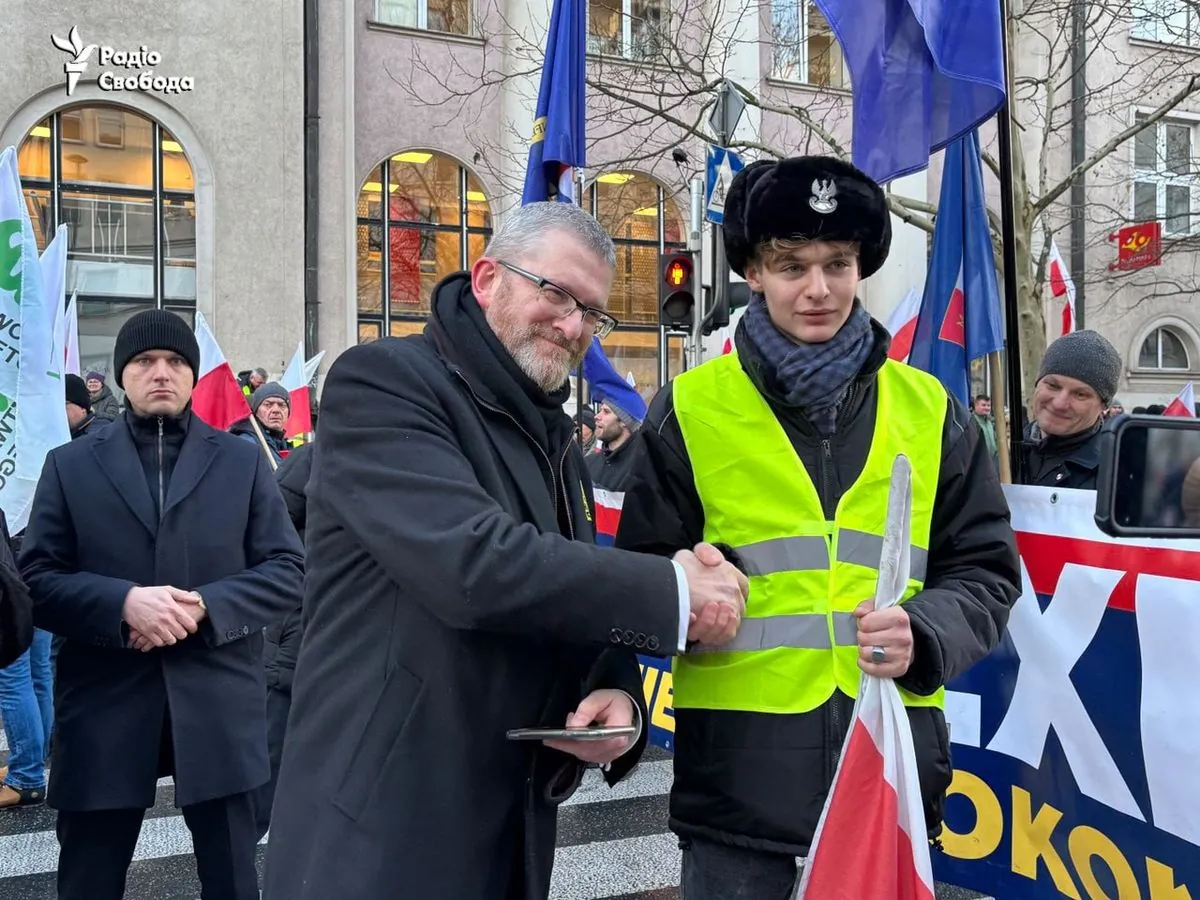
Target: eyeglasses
[{"x": 564, "y": 303}]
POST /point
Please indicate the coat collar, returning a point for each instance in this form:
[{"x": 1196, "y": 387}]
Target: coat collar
[{"x": 117, "y": 456}]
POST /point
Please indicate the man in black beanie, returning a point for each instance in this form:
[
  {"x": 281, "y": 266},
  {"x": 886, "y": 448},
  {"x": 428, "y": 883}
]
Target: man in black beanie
[
  {"x": 1079, "y": 375},
  {"x": 160, "y": 573},
  {"x": 781, "y": 455}
]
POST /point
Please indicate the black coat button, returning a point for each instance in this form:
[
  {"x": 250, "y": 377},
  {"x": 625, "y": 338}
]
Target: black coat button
[
  {"x": 639, "y": 641},
  {"x": 615, "y": 635},
  {"x": 652, "y": 643}
]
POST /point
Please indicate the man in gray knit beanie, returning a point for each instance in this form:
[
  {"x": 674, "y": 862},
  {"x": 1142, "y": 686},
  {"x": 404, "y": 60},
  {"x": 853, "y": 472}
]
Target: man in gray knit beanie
[
  {"x": 1079, "y": 375},
  {"x": 1084, "y": 356}
]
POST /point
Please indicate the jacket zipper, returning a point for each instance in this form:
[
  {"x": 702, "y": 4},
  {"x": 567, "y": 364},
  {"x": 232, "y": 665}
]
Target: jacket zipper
[
  {"x": 162, "y": 502},
  {"x": 835, "y": 712},
  {"x": 562, "y": 480},
  {"x": 530, "y": 437}
]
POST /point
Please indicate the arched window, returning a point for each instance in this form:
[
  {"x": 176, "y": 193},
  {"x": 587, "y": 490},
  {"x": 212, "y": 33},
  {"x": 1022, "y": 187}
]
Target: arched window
[
  {"x": 123, "y": 186},
  {"x": 643, "y": 220},
  {"x": 1163, "y": 349},
  {"x": 436, "y": 221}
]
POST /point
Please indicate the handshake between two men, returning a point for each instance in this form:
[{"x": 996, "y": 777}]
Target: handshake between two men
[{"x": 717, "y": 590}]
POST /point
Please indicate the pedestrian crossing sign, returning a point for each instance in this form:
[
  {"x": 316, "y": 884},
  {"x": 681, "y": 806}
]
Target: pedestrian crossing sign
[{"x": 722, "y": 165}]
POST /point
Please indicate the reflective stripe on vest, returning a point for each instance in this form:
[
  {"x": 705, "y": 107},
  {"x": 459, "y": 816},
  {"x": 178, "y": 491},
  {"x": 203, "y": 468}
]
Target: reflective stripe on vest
[{"x": 798, "y": 640}]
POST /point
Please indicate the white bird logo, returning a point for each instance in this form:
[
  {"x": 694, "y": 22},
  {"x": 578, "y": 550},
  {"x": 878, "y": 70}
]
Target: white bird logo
[
  {"x": 73, "y": 46},
  {"x": 823, "y": 193}
]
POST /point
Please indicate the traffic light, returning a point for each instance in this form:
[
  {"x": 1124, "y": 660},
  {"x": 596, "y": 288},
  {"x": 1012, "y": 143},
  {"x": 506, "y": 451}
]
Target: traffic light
[
  {"x": 737, "y": 295},
  {"x": 676, "y": 289}
]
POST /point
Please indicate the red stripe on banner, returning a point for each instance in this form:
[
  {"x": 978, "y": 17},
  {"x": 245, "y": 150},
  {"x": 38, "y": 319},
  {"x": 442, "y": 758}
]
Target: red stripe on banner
[
  {"x": 1045, "y": 555},
  {"x": 863, "y": 852}
]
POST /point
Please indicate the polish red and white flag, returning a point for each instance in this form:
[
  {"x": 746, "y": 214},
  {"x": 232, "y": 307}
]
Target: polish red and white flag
[
  {"x": 217, "y": 398},
  {"x": 1062, "y": 286},
  {"x": 1184, "y": 404},
  {"x": 871, "y": 839},
  {"x": 295, "y": 380},
  {"x": 902, "y": 325}
]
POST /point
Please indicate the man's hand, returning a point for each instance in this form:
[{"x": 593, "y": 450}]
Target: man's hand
[
  {"x": 190, "y": 601},
  {"x": 153, "y": 614},
  {"x": 718, "y": 594},
  {"x": 606, "y": 707},
  {"x": 889, "y": 629}
]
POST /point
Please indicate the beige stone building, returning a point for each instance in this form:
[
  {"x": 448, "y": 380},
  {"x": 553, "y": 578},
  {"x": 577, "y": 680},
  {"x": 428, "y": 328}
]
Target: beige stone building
[{"x": 329, "y": 162}]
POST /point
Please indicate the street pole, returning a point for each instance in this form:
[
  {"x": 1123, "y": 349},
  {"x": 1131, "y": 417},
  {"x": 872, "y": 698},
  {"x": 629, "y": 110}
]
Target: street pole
[
  {"x": 1008, "y": 233},
  {"x": 696, "y": 243}
]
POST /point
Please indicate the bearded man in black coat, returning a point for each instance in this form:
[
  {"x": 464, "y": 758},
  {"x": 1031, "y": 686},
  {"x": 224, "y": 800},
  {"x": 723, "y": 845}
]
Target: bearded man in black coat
[{"x": 454, "y": 592}]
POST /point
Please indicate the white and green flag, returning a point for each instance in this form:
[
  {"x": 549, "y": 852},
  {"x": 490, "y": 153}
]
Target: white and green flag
[{"x": 32, "y": 412}]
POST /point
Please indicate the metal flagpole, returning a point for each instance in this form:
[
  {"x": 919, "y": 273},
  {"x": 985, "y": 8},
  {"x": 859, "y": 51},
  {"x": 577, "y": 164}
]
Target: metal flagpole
[
  {"x": 579, "y": 371},
  {"x": 1008, "y": 233}
]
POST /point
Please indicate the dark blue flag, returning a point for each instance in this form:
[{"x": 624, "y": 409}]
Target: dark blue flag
[
  {"x": 960, "y": 311},
  {"x": 557, "y": 146},
  {"x": 606, "y": 384},
  {"x": 923, "y": 73}
]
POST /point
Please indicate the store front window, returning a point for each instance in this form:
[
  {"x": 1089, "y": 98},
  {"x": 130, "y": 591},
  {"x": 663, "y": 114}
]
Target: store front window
[
  {"x": 436, "y": 221},
  {"x": 123, "y": 186}
]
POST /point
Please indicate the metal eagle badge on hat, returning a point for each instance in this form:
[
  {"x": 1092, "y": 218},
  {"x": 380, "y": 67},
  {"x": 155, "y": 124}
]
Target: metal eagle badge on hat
[{"x": 823, "y": 193}]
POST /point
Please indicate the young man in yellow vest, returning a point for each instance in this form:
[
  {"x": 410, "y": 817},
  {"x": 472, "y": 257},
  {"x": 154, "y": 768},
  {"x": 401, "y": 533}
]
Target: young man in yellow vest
[{"x": 781, "y": 454}]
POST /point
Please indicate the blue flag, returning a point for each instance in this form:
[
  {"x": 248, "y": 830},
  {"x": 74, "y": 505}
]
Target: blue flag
[
  {"x": 960, "y": 312},
  {"x": 606, "y": 384},
  {"x": 557, "y": 146},
  {"x": 924, "y": 72}
]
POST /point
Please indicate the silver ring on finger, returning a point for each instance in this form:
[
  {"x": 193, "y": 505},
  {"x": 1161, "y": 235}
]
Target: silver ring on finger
[{"x": 878, "y": 655}]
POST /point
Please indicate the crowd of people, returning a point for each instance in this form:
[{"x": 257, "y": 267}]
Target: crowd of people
[{"x": 337, "y": 650}]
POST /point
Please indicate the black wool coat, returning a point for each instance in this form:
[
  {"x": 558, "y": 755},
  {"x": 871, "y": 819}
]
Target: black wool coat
[{"x": 92, "y": 536}]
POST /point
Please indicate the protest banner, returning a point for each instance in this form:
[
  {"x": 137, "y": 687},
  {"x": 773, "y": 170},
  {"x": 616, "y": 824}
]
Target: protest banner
[{"x": 1074, "y": 742}]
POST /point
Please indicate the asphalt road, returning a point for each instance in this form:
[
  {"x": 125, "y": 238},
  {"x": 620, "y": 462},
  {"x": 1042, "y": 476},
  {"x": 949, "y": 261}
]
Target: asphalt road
[{"x": 613, "y": 843}]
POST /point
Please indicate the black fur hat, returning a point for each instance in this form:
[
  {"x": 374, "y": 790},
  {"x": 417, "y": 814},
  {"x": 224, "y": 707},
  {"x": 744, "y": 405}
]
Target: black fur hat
[{"x": 815, "y": 197}]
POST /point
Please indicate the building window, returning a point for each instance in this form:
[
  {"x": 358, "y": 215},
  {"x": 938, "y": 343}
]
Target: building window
[
  {"x": 643, "y": 221},
  {"x": 1165, "y": 350},
  {"x": 1166, "y": 176},
  {"x": 1167, "y": 21},
  {"x": 435, "y": 221},
  {"x": 805, "y": 49},
  {"x": 450, "y": 16},
  {"x": 123, "y": 186},
  {"x": 634, "y": 29}
]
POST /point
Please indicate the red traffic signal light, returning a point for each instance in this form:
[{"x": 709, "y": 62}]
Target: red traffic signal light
[
  {"x": 678, "y": 272},
  {"x": 676, "y": 294}
]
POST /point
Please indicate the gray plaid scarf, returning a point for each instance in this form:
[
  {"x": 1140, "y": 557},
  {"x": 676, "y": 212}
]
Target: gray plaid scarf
[{"x": 814, "y": 377}]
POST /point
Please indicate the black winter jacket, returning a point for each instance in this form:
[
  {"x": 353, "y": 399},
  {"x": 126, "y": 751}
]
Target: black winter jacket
[
  {"x": 1063, "y": 462},
  {"x": 760, "y": 780},
  {"x": 610, "y": 469},
  {"x": 444, "y": 605},
  {"x": 282, "y": 638}
]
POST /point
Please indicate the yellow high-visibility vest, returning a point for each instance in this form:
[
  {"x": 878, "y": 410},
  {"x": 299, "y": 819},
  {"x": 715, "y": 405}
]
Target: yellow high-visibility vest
[{"x": 797, "y": 641}]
